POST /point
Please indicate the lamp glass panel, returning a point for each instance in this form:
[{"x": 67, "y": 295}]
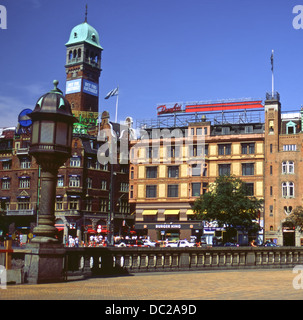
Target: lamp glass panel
[
  {"x": 61, "y": 133},
  {"x": 35, "y": 134},
  {"x": 47, "y": 132}
]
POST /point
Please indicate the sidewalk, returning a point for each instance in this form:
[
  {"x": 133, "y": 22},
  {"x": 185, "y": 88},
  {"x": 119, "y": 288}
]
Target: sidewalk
[{"x": 268, "y": 284}]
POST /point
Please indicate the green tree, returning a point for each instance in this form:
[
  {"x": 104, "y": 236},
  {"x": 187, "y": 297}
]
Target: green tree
[
  {"x": 296, "y": 218},
  {"x": 228, "y": 204}
]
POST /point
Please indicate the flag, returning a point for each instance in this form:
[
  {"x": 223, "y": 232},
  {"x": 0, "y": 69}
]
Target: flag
[
  {"x": 272, "y": 60},
  {"x": 112, "y": 93}
]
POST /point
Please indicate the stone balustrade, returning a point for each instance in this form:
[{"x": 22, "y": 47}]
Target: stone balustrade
[{"x": 134, "y": 260}]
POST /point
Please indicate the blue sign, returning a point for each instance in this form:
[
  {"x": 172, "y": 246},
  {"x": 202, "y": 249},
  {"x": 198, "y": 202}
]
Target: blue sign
[
  {"x": 90, "y": 88},
  {"x": 73, "y": 86},
  {"x": 24, "y": 119}
]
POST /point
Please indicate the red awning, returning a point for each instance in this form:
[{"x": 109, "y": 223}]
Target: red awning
[{"x": 91, "y": 231}]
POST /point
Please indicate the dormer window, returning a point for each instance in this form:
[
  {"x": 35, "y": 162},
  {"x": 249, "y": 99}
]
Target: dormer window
[
  {"x": 94, "y": 37},
  {"x": 290, "y": 127},
  {"x": 75, "y": 35}
]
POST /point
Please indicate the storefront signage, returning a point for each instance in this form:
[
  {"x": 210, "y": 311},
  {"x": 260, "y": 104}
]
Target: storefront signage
[
  {"x": 168, "y": 226},
  {"x": 163, "y": 109}
]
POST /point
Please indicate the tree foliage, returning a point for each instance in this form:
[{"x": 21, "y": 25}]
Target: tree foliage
[
  {"x": 227, "y": 203},
  {"x": 296, "y": 218}
]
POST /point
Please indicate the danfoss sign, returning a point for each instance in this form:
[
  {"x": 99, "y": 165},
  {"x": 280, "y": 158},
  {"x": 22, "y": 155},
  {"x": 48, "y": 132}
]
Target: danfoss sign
[{"x": 163, "y": 109}]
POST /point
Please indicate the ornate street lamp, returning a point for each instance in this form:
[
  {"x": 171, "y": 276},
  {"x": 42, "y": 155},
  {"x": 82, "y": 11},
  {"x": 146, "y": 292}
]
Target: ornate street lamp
[{"x": 51, "y": 141}]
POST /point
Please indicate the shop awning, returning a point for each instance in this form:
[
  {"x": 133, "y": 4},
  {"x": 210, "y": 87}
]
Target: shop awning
[
  {"x": 190, "y": 211},
  {"x": 172, "y": 212},
  {"x": 149, "y": 212},
  {"x": 59, "y": 226}
]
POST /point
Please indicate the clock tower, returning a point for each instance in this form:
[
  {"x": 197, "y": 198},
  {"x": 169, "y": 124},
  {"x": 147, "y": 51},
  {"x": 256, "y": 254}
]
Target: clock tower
[{"x": 83, "y": 69}]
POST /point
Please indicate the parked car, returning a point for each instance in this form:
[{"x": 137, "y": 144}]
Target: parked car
[
  {"x": 180, "y": 244},
  {"x": 231, "y": 244},
  {"x": 149, "y": 243},
  {"x": 270, "y": 244}
]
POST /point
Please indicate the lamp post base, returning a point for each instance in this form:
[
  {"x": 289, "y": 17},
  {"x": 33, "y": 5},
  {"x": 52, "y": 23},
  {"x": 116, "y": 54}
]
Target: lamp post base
[{"x": 44, "y": 263}]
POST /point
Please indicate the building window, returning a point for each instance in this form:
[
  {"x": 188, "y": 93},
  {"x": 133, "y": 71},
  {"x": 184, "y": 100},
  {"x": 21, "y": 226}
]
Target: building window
[
  {"x": 124, "y": 187},
  {"x": 74, "y": 181},
  {"x": 288, "y": 190},
  {"x": 249, "y": 129},
  {"x": 73, "y": 203},
  {"x": 248, "y": 169},
  {"x": 6, "y": 183},
  {"x": 60, "y": 182},
  {"x": 224, "y": 169},
  {"x": 289, "y": 147},
  {"x": 196, "y": 189},
  {"x": 151, "y": 172},
  {"x": 151, "y": 191},
  {"x": 103, "y": 205},
  {"x": 23, "y": 204},
  {"x": 172, "y": 217},
  {"x": 75, "y": 162},
  {"x": 24, "y": 183},
  {"x": 198, "y": 150},
  {"x": 25, "y": 163},
  {"x": 290, "y": 127},
  {"x": 103, "y": 185},
  {"x": 89, "y": 183},
  {"x": 153, "y": 152},
  {"x": 88, "y": 204},
  {"x": 271, "y": 210},
  {"x": 124, "y": 207},
  {"x": 249, "y": 188},
  {"x": 196, "y": 170},
  {"x": 248, "y": 148},
  {"x": 172, "y": 190},
  {"x": 288, "y": 167},
  {"x": 59, "y": 203},
  {"x": 7, "y": 165},
  {"x": 225, "y": 130},
  {"x": 173, "y": 152},
  {"x": 224, "y": 149},
  {"x": 173, "y": 172}
]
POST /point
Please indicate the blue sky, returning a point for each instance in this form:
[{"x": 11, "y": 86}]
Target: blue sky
[{"x": 157, "y": 51}]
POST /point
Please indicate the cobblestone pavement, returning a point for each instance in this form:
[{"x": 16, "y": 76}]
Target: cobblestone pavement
[{"x": 205, "y": 285}]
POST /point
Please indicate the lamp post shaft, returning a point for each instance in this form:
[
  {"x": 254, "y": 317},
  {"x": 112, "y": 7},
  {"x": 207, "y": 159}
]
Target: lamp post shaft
[{"x": 45, "y": 231}]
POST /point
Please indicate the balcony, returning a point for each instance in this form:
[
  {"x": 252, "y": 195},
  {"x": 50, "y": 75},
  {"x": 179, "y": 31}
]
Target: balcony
[
  {"x": 18, "y": 213},
  {"x": 22, "y": 151}
]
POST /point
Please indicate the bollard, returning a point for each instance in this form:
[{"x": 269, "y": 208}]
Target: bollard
[{"x": 8, "y": 254}]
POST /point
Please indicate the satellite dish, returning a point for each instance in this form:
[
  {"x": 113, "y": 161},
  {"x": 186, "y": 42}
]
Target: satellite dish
[{"x": 24, "y": 119}]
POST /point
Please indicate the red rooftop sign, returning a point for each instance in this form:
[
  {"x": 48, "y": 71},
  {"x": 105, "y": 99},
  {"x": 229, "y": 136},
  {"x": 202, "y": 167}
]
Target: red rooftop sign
[{"x": 224, "y": 106}]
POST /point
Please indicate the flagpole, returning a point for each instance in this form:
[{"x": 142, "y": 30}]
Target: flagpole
[
  {"x": 116, "y": 118},
  {"x": 272, "y": 73}
]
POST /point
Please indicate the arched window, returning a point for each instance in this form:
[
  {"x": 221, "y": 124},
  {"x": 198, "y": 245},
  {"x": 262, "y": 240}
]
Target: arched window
[
  {"x": 75, "y": 54},
  {"x": 288, "y": 190},
  {"x": 288, "y": 167},
  {"x": 79, "y": 53},
  {"x": 70, "y": 55}
]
